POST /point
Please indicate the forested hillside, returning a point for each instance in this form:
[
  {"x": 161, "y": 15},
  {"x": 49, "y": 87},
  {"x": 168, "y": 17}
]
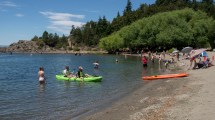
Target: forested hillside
[
  {"x": 179, "y": 28},
  {"x": 91, "y": 33}
]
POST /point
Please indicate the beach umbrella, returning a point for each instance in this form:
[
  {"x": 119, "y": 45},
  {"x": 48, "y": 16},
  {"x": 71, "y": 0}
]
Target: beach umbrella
[
  {"x": 175, "y": 51},
  {"x": 186, "y": 50},
  {"x": 194, "y": 53}
]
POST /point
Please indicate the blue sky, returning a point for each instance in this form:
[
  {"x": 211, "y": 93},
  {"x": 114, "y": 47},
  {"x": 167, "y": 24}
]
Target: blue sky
[{"x": 23, "y": 19}]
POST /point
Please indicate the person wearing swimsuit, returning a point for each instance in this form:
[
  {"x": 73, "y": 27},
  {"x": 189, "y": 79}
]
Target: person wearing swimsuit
[{"x": 41, "y": 75}]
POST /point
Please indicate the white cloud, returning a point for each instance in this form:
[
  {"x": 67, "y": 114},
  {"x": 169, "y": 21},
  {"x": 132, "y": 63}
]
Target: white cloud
[
  {"x": 4, "y": 5},
  {"x": 19, "y": 15},
  {"x": 7, "y": 4},
  {"x": 62, "y": 22}
]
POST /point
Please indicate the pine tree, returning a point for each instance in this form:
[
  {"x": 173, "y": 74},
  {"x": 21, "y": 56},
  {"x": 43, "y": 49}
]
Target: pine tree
[{"x": 128, "y": 8}]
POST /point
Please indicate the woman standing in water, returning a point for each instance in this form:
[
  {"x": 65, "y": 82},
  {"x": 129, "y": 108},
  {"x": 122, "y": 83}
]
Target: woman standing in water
[
  {"x": 41, "y": 75},
  {"x": 144, "y": 61}
]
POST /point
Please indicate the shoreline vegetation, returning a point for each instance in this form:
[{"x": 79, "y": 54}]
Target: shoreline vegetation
[{"x": 190, "y": 98}]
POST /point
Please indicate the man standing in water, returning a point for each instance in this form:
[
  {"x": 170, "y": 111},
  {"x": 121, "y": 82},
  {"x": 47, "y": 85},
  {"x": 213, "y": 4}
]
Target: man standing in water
[
  {"x": 41, "y": 75},
  {"x": 96, "y": 65}
]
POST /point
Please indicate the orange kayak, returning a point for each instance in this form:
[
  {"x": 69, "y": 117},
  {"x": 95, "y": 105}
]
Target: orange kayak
[{"x": 164, "y": 76}]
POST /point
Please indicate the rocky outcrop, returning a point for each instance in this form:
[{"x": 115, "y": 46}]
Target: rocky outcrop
[
  {"x": 23, "y": 46},
  {"x": 26, "y": 46},
  {"x": 3, "y": 49}
]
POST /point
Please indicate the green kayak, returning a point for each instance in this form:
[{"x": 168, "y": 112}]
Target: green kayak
[{"x": 86, "y": 79}]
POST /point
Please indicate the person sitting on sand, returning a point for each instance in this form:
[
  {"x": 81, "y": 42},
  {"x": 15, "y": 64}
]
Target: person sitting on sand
[
  {"x": 172, "y": 60},
  {"x": 208, "y": 63},
  {"x": 80, "y": 73},
  {"x": 198, "y": 64},
  {"x": 41, "y": 75}
]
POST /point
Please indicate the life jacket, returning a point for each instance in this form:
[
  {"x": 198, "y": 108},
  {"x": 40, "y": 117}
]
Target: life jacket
[{"x": 81, "y": 74}]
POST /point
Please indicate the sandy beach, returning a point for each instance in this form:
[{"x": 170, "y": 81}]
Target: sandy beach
[{"x": 189, "y": 98}]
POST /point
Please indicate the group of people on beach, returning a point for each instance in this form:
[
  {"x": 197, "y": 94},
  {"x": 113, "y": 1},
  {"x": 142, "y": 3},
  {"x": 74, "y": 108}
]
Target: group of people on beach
[
  {"x": 194, "y": 64},
  {"x": 66, "y": 72},
  {"x": 159, "y": 56},
  {"x": 200, "y": 63}
]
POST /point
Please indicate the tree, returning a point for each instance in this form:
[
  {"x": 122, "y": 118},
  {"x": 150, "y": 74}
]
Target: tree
[
  {"x": 102, "y": 27},
  {"x": 211, "y": 35},
  {"x": 72, "y": 30},
  {"x": 77, "y": 35},
  {"x": 177, "y": 29},
  {"x": 128, "y": 8},
  {"x": 208, "y": 1},
  {"x": 62, "y": 42},
  {"x": 35, "y": 38},
  {"x": 118, "y": 15},
  {"x": 45, "y": 37}
]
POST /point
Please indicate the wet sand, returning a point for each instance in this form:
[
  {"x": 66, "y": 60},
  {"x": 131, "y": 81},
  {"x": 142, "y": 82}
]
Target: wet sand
[{"x": 190, "y": 98}]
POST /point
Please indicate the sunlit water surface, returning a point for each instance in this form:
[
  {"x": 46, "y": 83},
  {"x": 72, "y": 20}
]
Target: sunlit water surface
[{"x": 21, "y": 97}]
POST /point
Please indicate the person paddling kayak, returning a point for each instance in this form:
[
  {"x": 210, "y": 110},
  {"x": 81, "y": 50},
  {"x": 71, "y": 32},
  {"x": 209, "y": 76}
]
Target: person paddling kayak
[
  {"x": 81, "y": 73},
  {"x": 67, "y": 73}
]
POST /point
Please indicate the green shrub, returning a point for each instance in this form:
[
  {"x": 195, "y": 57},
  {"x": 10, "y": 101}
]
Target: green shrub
[
  {"x": 171, "y": 50},
  {"x": 70, "y": 48},
  {"x": 76, "y": 49}
]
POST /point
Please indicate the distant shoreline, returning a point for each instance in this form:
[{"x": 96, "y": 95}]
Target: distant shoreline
[{"x": 60, "y": 52}]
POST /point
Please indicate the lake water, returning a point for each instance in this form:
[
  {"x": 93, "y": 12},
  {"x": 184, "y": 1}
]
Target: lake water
[{"x": 21, "y": 97}]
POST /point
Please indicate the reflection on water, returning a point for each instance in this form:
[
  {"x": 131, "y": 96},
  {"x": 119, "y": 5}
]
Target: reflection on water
[
  {"x": 41, "y": 90},
  {"x": 67, "y": 84},
  {"x": 144, "y": 71},
  {"x": 95, "y": 72}
]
